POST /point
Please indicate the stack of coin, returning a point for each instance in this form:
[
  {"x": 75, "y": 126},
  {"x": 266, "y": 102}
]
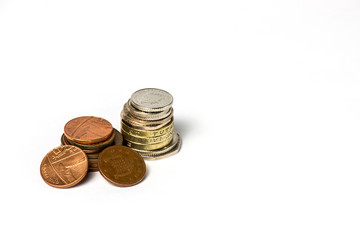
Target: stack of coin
[
  {"x": 148, "y": 124},
  {"x": 91, "y": 135}
]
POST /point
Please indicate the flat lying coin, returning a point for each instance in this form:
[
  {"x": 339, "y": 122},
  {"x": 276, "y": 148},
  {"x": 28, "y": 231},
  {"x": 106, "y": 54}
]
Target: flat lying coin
[
  {"x": 121, "y": 166},
  {"x": 88, "y": 130},
  {"x": 95, "y": 146},
  {"x": 151, "y": 100},
  {"x": 154, "y": 146},
  {"x": 64, "y": 166},
  {"x": 143, "y": 133},
  {"x": 145, "y": 115},
  {"x": 164, "y": 152}
]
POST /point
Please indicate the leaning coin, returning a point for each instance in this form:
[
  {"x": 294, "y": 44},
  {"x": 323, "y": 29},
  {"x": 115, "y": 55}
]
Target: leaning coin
[
  {"x": 64, "y": 166},
  {"x": 151, "y": 100},
  {"x": 88, "y": 130},
  {"x": 121, "y": 166},
  {"x": 167, "y": 148},
  {"x": 118, "y": 138}
]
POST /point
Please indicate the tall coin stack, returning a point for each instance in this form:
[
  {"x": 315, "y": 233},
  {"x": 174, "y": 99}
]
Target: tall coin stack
[
  {"x": 91, "y": 135},
  {"x": 148, "y": 124}
]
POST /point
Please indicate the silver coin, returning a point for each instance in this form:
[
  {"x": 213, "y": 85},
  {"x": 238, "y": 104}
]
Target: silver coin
[
  {"x": 146, "y": 116},
  {"x": 151, "y": 100},
  {"x": 165, "y": 153}
]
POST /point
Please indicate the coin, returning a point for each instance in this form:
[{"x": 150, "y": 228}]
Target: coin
[
  {"x": 146, "y": 140},
  {"x": 144, "y": 125},
  {"x": 95, "y": 146},
  {"x": 121, "y": 166},
  {"x": 147, "y": 133},
  {"x": 88, "y": 130},
  {"x": 145, "y": 115},
  {"x": 64, "y": 166},
  {"x": 151, "y": 100},
  {"x": 118, "y": 138},
  {"x": 148, "y": 146},
  {"x": 170, "y": 150}
]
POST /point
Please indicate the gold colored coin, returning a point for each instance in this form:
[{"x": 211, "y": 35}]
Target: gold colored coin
[
  {"x": 143, "y": 133},
  {"x": 144, "y": 125},
  {"x": 146, "y": 140},
  {"x": 121, "y": 166},
  {"x": 64, "y": 166},
  {"x": 148, "y": 146}
]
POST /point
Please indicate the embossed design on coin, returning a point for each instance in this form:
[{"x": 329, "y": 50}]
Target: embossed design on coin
[
  {"x": 64, "y": 166},
  {"x": 151, "y": 100},
  {"x": 88, "y": 130},
  {"x": 121, "y": 166}
]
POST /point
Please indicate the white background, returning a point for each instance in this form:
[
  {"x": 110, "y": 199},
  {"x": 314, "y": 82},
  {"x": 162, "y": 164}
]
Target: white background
[{"x": 266, "y": 98}]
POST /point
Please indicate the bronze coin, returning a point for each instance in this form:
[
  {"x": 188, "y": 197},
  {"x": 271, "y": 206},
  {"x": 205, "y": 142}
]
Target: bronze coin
[
  {"x": 95, "y": 146},
  {"x": 93, "y": 170},
  {"x": 64, "y": 166},
  {"x": 88, "y": 130},
  {"x": 121, "y": 166},
  {"x": 118, "y": 138},
  {"x": 65, "y": 141}
]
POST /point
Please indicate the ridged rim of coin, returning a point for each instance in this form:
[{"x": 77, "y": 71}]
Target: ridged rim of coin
[
  {"x": 147, "y": 133},
  {"x": 95, "y": 146},
  {"x": 87, "y": 151},
  {"x": 146, "y": 140},
  {"x": 147, "y": 146},
  {"x": 170, "y": 152},
  {"x": 88, "y": 129},
  {"x": 64, "y": 166},
  {"x": 168, "y": 147},
  {"x": 151, "y": 100},
  {"x": 144, "y": 125},
  {"x": 145, "y": 115},
  {"x": 122, "y": 166}
]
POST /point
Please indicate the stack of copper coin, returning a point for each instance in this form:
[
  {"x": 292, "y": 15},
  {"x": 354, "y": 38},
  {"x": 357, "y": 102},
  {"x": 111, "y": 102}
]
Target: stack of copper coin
[
  {"x": 148, "y": 124},
  {"x": 91, "y": 135}
]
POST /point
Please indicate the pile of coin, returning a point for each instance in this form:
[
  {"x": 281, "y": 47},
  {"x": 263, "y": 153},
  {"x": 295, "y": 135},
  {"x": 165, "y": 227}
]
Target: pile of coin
[
  {"x": 91, "y": 135},
  {"x": 148, "y": 124}
]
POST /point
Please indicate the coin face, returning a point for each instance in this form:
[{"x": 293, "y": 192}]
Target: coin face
[
  {"x": 88, "y": 130},
  {"x": 121, "y": 166},
  {"x": 64, "y": 166},
  {"x": 151, "y": 100}
]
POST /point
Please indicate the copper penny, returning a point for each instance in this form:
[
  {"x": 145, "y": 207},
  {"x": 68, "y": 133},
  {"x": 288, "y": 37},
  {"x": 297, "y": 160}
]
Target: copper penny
[
  {"x": 64, "y": 166},
  {"x": 118, "y": 138},
  {"x": 88, "y": 130},
  {"x": 95, "y": 146},
  {"x": 122, "y": 166}
]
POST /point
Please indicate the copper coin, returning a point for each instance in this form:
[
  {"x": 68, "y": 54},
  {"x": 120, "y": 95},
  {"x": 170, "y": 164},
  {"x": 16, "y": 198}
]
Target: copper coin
[
  {"x": 64, "y": 166},
  {"x": 88, "y": 130},
  {"x": 95, "y": 146},
  {"x": 121, "y": 166},
  {"x": 65, "y": 141},
  {"x": 118, "y": 138}
]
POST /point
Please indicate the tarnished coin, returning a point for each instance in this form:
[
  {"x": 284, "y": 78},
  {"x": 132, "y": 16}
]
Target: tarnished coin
[
  {"x": 64, "y": 166},
  {"x": 151, "y": 100},
  {"x": 145, "y": 115},
  {"x": 121, "y": 166},
  {"x": 88, "y": 130},
  {"x": 118, "y": 138}
]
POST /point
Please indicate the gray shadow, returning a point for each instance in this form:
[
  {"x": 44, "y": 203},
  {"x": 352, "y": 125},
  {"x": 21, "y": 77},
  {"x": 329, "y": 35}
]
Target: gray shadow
[
  {"x": 87, "y": 178},
  {"x": 183, "y": 127}
]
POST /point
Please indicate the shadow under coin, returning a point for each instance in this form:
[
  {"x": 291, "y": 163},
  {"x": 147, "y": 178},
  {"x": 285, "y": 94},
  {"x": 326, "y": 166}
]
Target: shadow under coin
[
  {"x": 182, "y": 126},
  {"x": 87, "y": 178}
]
